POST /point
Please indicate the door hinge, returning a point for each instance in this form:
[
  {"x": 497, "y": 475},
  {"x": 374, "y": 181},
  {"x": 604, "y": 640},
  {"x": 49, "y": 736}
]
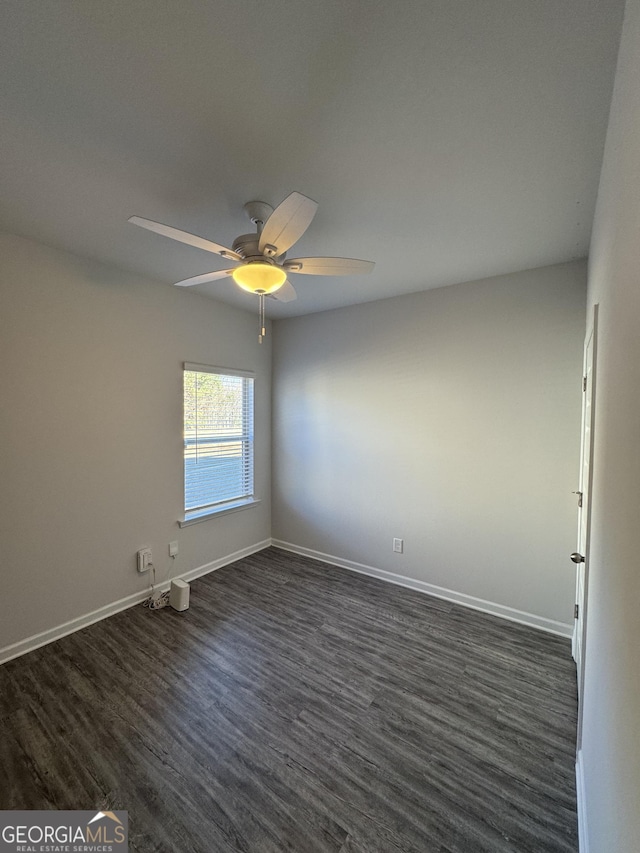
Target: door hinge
[
  {"x": 576, "y": 610},
  {"x": 584, "y": 383},
  {"x": 579, "y": 494}
]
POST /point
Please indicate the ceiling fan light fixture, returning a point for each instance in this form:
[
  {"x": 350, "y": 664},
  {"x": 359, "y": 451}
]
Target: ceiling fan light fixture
[{"x": 258, "y": 277}]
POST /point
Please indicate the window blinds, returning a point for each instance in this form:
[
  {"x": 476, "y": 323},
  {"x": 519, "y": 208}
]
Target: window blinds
[{"x": 218, "y": 437}]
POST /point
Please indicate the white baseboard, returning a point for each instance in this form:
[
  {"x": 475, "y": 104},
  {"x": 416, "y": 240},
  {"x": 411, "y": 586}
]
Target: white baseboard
[
  {"x": 583, "y": 835},
  {"x": 37, "y": 640},
  {"x": 520, "y": 616},
  {"x": 22, "y": 647}
]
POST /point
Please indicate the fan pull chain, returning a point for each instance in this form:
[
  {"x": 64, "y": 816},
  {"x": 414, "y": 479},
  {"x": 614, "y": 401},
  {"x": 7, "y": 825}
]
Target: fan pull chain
[{"x": 262, "y": 332}]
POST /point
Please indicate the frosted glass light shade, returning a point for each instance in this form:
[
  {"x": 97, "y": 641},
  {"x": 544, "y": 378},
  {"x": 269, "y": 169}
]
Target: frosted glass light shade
[{"x": 259, "y": 278}]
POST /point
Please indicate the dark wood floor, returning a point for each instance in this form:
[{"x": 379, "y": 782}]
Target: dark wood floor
[{"x": 296, "y": 706}]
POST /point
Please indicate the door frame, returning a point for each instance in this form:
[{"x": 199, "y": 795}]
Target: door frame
[{"x": 580, "y": 624}]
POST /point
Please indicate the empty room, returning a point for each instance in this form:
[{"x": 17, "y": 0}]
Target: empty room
[{"x": 319, "y": 482}]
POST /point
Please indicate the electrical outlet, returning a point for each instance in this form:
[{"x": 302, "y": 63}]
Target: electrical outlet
[
  {"x": 173, "y": 548},
  {"x": 398, "y": 546},
  {"x": 144, "y": 560}
]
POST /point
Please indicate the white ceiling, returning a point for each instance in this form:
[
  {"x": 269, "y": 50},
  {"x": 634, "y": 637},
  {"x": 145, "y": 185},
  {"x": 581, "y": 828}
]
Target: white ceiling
[{"x": 446, "y": 140}]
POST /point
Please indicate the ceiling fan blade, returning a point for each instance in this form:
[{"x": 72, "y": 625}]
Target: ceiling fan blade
[
  {"x": 286, "y": 293},
  {"x": 287, "y": 224},
  {"x": 328, "y": 266},
  {"x": 185, "y": 237},
  {"x": 203, "y": 279}
]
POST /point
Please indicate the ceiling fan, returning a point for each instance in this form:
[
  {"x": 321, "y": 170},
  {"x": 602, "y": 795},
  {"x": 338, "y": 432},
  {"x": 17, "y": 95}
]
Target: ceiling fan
[{"x": 260, "y": 263}]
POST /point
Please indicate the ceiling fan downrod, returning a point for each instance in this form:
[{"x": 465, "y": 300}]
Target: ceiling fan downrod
[{"x": 258, "y": 212}]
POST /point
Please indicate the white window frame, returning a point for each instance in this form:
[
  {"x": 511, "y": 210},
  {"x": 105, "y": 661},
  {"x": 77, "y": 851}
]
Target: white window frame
[{"x": 247, "y": 498}]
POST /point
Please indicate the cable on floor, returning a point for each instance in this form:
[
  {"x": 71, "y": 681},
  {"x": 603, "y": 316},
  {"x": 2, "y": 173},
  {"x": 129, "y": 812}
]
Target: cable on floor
[{"x": 155, "y": 601}]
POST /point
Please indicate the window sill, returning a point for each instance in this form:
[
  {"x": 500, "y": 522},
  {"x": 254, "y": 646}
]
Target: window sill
[{"x": 236, "y": 506}]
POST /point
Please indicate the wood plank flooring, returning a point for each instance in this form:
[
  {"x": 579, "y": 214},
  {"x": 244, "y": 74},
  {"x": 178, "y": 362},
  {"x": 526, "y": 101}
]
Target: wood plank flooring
[{"x": 300, "y": 707}]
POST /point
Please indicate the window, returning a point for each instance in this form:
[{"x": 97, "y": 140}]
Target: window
[{"x": 218, "y": 440}]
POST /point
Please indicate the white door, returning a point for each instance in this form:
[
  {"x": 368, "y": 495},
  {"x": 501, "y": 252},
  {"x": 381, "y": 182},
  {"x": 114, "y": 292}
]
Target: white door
[{"x": 581, "y": 556}]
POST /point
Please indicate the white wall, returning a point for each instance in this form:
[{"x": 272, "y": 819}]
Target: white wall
[
  {"x": 611, "y": 736},
  {"x": 91, "y": 432},
  {"x": 450, "y": 418}
]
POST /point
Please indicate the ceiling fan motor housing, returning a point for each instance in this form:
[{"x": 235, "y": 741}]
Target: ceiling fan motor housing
[{"x": 246, "y": 245}]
